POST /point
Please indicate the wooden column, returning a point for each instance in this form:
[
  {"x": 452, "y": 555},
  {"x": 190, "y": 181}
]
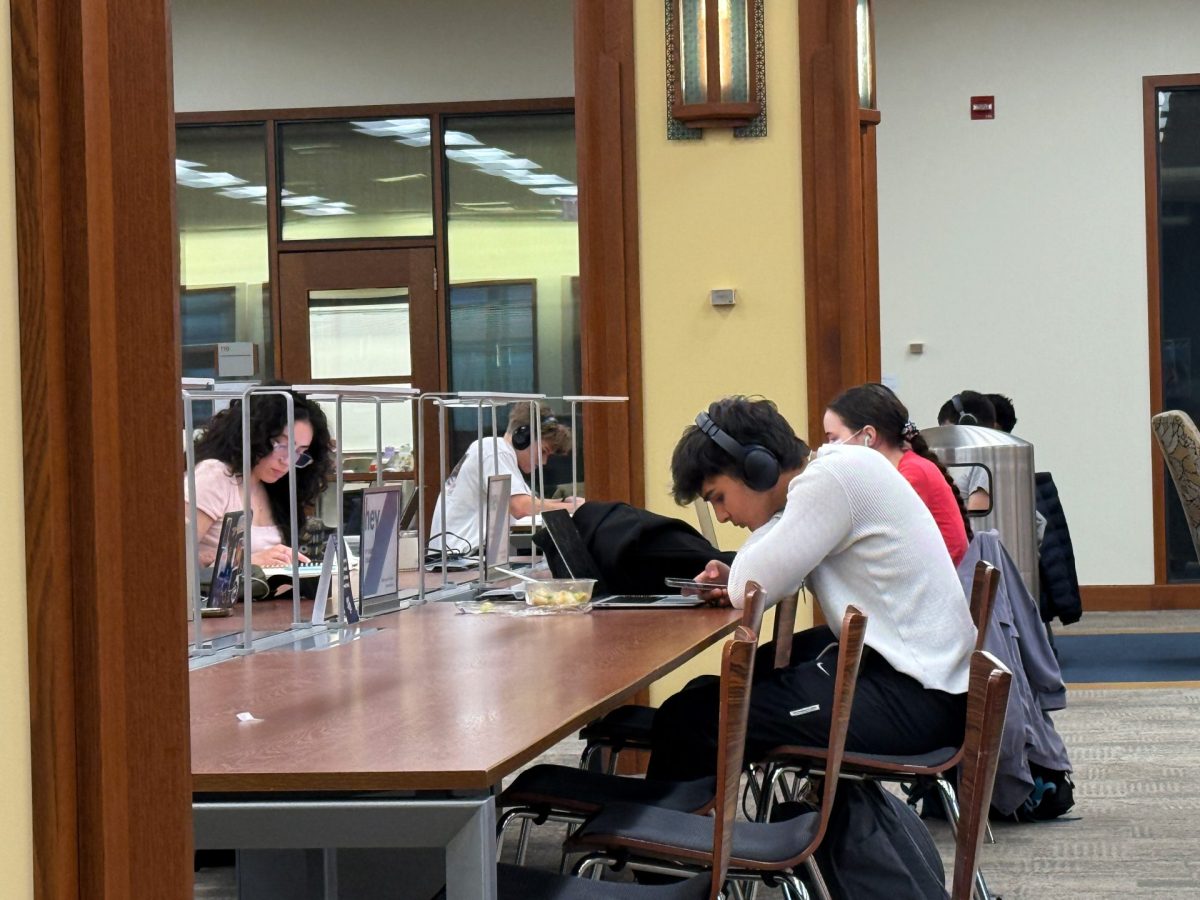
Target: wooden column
[
  {"x": 101, "y": 428},
  {"x": 840, "y": 232},
  {"x": 610, "y": 332}
]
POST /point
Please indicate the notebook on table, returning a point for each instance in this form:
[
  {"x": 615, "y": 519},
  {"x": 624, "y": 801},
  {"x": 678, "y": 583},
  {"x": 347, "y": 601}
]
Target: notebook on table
[{"x": 576, "y": 561}]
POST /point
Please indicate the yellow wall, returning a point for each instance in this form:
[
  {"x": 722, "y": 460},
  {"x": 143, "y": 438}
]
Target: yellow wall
[
  {"x": 717, "y": 213},
  {"x": 16, "y": 818}
]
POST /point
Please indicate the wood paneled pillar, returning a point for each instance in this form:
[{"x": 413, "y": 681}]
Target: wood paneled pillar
[
  {"x": 841, "y": 273},
  {"x": 611, "y": 334},
  {"x": 101, "y": 428}
]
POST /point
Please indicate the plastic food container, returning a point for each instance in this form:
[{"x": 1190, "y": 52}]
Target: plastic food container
[{"x": 560, "y": 592}]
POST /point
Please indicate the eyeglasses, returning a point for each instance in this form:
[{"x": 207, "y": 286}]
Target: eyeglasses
[{"x": 302, "y": 459}]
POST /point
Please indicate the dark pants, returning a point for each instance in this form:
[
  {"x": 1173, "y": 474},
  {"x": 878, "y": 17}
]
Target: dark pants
[{"x": 892, "y": 713}]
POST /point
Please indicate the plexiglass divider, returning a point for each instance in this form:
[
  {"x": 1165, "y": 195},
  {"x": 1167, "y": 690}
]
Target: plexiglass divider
[{"x": 376, "y": 395}]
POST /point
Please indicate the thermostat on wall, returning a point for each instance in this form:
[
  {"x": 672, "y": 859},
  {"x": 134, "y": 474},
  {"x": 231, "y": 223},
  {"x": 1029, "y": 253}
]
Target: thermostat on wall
[{"x": 723, "y": 297}]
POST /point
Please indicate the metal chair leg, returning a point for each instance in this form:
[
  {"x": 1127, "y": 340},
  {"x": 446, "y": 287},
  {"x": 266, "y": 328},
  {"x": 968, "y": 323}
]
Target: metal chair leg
[
  {"x": 987, "y": 833},
  {"x": 816, "y": 879},
  {"x": 981, "y": 888},
  {"x": 949, "y": 801},
  {"x": 793, "y": 887},
  {"x": 523, "y": 841}
]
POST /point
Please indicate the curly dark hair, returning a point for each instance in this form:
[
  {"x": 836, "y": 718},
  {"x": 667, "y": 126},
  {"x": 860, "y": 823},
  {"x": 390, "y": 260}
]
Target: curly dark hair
[
  {"x": 878, "y": 406},
  {"x": 222, "y": 440},
  {"x": 748, "y": 420}
]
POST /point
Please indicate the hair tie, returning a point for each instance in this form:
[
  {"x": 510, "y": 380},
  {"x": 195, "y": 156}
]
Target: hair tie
[{"x": 910, "y": 430}]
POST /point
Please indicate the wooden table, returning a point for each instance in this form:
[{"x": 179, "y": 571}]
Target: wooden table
[{"x": 435, "y": 703}]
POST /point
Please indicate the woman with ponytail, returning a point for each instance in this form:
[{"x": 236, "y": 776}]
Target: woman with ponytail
[{"x": 871, "y": 414}]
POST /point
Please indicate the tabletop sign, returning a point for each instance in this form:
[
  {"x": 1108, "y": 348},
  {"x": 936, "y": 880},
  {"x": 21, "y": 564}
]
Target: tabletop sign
[
  {"x": 379, "y": 547},
  {"x": 983, "y": 107},
  {"x": 348, "y": 603}
]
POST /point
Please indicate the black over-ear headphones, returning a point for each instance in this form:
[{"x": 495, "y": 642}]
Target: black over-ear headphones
[
  {"x": 963, "y": 415},
  {"x": 522, "y": 436},
  {"x": 760, "y": 467}
]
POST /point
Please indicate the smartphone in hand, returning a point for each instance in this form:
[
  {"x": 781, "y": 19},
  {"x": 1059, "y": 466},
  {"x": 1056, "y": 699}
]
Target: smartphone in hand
[{"x": 690, "y": 584}]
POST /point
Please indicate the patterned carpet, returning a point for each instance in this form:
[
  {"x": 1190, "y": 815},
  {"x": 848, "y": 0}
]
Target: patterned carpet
[{"x": 1132, "y": 833}]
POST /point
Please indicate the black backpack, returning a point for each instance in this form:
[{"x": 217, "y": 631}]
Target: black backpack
[
  {"x": 876, "y": 847},
  {"x": 1053, "y": 794}
]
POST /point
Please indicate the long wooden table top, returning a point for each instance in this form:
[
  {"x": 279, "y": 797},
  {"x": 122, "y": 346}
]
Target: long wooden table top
[{"x": 433, "y": 700}]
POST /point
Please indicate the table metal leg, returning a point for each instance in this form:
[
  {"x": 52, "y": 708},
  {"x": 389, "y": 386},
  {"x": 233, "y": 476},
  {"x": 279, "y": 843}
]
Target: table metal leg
[{"x": 471, "y": 857}]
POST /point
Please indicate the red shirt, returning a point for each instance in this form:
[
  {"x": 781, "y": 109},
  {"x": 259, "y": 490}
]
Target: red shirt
[{"x": 930, "y": 484}]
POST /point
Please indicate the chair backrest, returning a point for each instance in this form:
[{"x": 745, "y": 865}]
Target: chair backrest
[
  {"x": 754, "y": 606},
  {"x": 785, "y": 629},
  {"x": 850, "y": 648},
  {"x": 983, "y": 597},
  {"x": 737, "y": 663},
  {"x": 987, "y": 701},
  {"x": 1180, "y": 443}
]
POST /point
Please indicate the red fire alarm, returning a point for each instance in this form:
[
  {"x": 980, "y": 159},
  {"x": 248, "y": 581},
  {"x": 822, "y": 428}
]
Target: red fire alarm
[{"x": 983, "y": 107}]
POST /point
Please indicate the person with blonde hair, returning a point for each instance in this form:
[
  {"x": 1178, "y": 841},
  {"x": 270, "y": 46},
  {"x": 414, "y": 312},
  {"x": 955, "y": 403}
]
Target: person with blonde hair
[{"x": 456, "y": 515}]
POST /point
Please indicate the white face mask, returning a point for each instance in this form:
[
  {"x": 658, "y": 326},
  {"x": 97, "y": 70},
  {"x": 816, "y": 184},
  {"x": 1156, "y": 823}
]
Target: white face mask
[{"x": 850, "y": 438}]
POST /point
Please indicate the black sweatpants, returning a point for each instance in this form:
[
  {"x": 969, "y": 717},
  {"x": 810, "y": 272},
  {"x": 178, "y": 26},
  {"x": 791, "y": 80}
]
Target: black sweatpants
[{"x": 892, "y": 714}]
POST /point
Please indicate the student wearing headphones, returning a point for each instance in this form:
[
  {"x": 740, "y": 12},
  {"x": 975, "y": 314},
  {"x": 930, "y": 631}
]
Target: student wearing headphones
[
  {"x": 512, "y": 454},
  {"x": 872, "y": 414},
  {"x": 970, "y": 408},
  {"x": 853, "y": 529}
]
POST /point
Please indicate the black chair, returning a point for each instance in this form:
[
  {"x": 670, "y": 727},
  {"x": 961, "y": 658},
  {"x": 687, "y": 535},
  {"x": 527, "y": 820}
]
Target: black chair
[
  {"x": 659, "y": 840},
  {"x": 553, "y": 793},
  {"x": 926, "y": 772},
  {"x": 737, "y": 660}
]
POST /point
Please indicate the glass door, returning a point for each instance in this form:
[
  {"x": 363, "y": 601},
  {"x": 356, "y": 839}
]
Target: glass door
[{"x": 362, "y": 317}]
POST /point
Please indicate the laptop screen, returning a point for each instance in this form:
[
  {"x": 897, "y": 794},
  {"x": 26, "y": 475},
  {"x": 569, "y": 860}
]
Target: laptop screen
[
  {"x": 496, "y": 540},
  {"x": 574, "y": 560},
  {"x": 223, "y": 589}
]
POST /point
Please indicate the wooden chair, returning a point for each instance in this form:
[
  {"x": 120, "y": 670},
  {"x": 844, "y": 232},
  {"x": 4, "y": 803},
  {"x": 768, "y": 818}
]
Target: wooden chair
[
  {"x": 628, "y": 727},
  {"x": 737, "y": 660},
  {"x": 990, "y": 683},
  {"x": 1179, "y": 441},
  {"x": 654, "y": 839},
  {"x": 927, "y": 770},
  {"x": 557, "y": 793}
]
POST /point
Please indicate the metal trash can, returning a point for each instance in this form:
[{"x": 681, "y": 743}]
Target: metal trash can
[{"x": 1004, "y": 464}]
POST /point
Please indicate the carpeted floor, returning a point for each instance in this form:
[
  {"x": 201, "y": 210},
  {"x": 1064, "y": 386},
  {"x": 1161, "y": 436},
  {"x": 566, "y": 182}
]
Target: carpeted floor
[
  {"x": 1151, "y": 656},
  {"x": 1132, "y": 833}
]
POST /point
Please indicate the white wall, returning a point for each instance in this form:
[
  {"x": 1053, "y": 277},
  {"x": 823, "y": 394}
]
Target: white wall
[
  {"x": 233, "y": 54},
  {"x": 1015, "y": 248}
]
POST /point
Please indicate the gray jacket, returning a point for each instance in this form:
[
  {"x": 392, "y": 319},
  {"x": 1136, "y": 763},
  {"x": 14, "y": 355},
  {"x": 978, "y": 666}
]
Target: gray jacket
[{"x": 1017, "y": 637}]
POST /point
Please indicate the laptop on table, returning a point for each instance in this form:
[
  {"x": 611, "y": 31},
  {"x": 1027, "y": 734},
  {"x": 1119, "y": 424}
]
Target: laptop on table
[{"x": 576, "y": 561}]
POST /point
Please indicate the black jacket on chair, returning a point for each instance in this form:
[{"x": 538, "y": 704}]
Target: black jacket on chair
[
  {"x": 636, "y": 549},
  {"x": 1056, "y": 563}
]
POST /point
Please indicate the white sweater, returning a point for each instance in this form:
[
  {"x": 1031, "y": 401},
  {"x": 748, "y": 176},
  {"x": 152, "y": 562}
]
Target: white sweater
[{"x": 858, "y": 532}]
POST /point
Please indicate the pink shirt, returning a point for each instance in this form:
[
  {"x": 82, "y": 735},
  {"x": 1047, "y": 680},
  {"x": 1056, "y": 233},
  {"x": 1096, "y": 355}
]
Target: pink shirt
[
  {"x": 218, "y": 491},
  {"x": 930, "y": 484}
]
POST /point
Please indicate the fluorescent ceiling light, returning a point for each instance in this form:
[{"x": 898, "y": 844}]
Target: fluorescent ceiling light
[
  {"x": 394, "y": 178},
  {"x": 493, "y": 168},
  {"x": 421, "y": 140},
  {"x": 529, "y": 179},
  {"x": 325, "y": 211},
  {"x": 248, "y": 192},
  {"x": 386, "y": 127},
  {"x": 560, "y": 191},
  {"x": 461, "y": 139},
  {"x": 302, "y": 201},
  {"x": 483, "y": 155}
]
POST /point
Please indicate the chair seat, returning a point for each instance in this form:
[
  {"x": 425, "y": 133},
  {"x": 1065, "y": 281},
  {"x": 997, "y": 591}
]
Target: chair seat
[
  {"x": 628, "y": 726},
  {"x": 577, "y": 790},
  {"x": 672, "y": 835},
  {"x": 932, "y": 763},
  {"x": 518, "y": 883}
]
